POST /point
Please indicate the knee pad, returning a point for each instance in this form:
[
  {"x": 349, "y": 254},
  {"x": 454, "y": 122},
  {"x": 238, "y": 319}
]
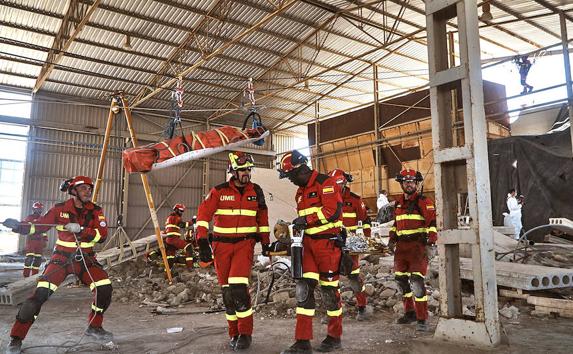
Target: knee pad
[
  {"x": 329, "y": 297},
  {"x": 304, "y": 292},
  {"x": 228, "y": 299},
  {"x": 37, "y": 261},
  {"x": 404, "y": 283},
  {"x": 418, "y": 286},
  {"x": 103, "y": 298},
  {"x": 241, "y": 297},
  {"x": 355, "y": 282},
  {"x": 31, "y": 307}
]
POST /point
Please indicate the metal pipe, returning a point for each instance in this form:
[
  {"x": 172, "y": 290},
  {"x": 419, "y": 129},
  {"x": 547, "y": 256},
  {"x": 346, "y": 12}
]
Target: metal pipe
[
  {"x": 567, "y": 64},
  {"x": 101, "y": 164}
]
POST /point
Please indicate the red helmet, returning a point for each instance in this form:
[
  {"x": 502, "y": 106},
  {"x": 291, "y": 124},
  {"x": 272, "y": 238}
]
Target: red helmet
[
  {"x": 179, "y": 207},
  {"x": 240, "y": 160},
  {"x": 69, "y": 184},
  {"x": 340, "y": 176},
  {"x": 409, "y": 175},
  {"x": 290, "y": 162},
  {"x": 38, "y": 205}
]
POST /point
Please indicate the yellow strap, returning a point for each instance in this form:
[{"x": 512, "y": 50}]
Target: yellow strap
[
  {"x": 303, "y": 311},
  {"x": 348, "y": 215},
  {"x": 317, "y": 229},
  {"x": 102, "y": 282},
  {"x": 321, "y": 216},
  {"x": 235, "y": 230},
  {"x": 410, "y": 217},
  {"x": 231, "y": 317},
  {"x": 244, "y": 314},
  {"x": 245, "y": 212},
  {"x": 168, "y": 148},
  {"x": 329, "y": 283},
  {"x": 195, "y": 136},
  {"x": 47, "y": 285},
  {"x": 311, "y": 275},
  {"x": 264, "y": 229},
  {"x": 420, "y": 230},
  {"x": 223, "y": 137},
  {"x": 204, "y": 224},
  {"x": 238, "y": 280},
  {"x": 60, "y": 228},
  {"x": 96, "y": 238},
  {"x": 334, "y": 313}
]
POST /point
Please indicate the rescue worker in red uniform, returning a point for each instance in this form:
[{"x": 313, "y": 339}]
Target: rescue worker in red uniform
[
  {"x": 240, "y": 220},
  {"x": 319, "y": 206},
  {"x": 173, "y": 240},
  {"x": 413, "y": 234},
  {"x": 80, "y": 225},
  {"x": 35, "y": 243},
  {"x": 354, "y": 211}
]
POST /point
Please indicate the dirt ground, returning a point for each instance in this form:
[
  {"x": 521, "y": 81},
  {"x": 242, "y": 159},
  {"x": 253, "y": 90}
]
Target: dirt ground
[{"x": 138, "y": 331}]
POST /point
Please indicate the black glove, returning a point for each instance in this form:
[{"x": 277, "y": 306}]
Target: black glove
[
  {"x": 299, "y": 223},
  {"x": 266, "y": 249},
  {"x": 182, "y": 225},
  {"x": 11, "y": 223},
  {"x": 205, "y": 253},
  {"x": 392, "y": 246}
]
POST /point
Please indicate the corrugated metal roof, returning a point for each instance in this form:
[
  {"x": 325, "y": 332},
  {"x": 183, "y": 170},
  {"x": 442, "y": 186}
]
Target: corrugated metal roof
[{"x": 275, "y": 54}]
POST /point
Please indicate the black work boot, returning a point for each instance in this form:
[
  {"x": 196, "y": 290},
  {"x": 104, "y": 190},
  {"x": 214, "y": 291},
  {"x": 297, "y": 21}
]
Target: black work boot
[
  {"x": 15, "y": 346},
  {"x": 329, "y": 344},
  {"x": 422, "y": 326},
  {"x": 362, "y": 315},
  {"x": 99, "y": 333},
  {"x": 407, "y": 318},
  {"x": 233, "y": 342},
  {"x": 299, "y": 347},
  {"x": 243, "y": 342}
]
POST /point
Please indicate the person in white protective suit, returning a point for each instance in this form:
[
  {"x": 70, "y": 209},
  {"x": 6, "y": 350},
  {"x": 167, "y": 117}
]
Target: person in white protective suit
[{"x": 514, "y": 207}]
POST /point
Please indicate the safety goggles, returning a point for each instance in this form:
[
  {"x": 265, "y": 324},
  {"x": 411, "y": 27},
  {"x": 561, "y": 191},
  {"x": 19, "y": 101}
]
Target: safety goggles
[{"x": 241, "y": 161}]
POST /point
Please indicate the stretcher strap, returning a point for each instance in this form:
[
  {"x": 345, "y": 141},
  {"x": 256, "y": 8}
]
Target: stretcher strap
[
  {"x": 223, "y": 137},
  {"x": 195, "y": 136}
]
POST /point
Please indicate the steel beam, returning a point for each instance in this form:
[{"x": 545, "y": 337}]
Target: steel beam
[{"x": 567, "y": 67}]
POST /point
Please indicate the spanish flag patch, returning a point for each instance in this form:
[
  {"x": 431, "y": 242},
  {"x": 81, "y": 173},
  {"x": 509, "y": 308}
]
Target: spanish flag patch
[
  {"x": 430, "y": 207},
  {"x": 327, "y": 190},
  {"x": 101, "y": 217}
]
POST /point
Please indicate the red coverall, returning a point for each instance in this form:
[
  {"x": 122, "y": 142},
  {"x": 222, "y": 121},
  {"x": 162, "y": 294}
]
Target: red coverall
[
  {"x": 241, "y": 218},
  {"x": 174, "y": 241},
  {"x": 414, "y": 228},
  {"x": 353, "y": 211},
  {"x": 320, "y": 202},
  {"x": 34, "y": 248},
  {"x": 66, "y": 259}
]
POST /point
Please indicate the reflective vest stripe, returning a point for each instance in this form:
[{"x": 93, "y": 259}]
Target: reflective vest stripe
[
  {"x": 420, "y": 299},
  {"x": 303, "y": 311},
  {"x": 243, "y": 314},
  {"x": 264, "y": 229},
  {"x": 348, "y": 215},
  {"x": 410, "y": 217},
  {"x": 205, "y": 224},
  {"x": 244, "y": 212},
  {"x": 238, "y": 280},
  {"x": 317, "y": 229},
  {"x": 311, "y": 275},
  {"x": 47, "y": 285},
  {"x": 329, "y": 283},
  {"x": 70, "y": 244},
  {"x": 173, "y": 233},
  {"x": 334, "y": 313},
  {"x": 231, "y": 317},
  {"x": 171, "y": 225},
  {"x": 235, "y": 230},
  {"x": 421, "y": 230}
]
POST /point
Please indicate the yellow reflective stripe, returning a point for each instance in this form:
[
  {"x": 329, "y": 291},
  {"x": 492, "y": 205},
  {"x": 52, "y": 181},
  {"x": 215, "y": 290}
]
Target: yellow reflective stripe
[
  {"x": 408, "y": 294},
  {"x": 96, "y": 309},
  {"x": 351, "y": 227},
  {"x": 188, "y": 258},
  {"x": 96, "y": 238},
  {"x": 73, "y": 244},
  {"x": 244, "y": 314},
  {"x": 171, "y": 225},
  {"x": 329, "y": 283},
  {"x": 95, "y": 284},
  {"x": 30, "y": 254},
  {"x": 402, "y": 273},
  {"x": 365, "y": 226},
  {"x": 417, "y": 273},
  {"x": 264, "y": 229},
  {"x": 32, "y": 228},
  {"x": 173, "y": 233},
  {"x": 317, "y": 229},
  {"x": 311, "y": 275},
  {"x": 47, "y": 285},
  {"x": 308, "y": 211},
  {"x": 410, "y": 217},
  {"x": 393, "y": 228},
  {"x": 334, "y": 313},
  {"x": 244, "y": 212},
  {"x": 60, "y": 228},
  {"x": 420, "y": 230},
  {"x": 168, "y": 148},
  {"x": 348, "y": 215},
  {"x": 321, "y": 216},
  {"x": 432, "y": 229},
  {"x": 238, "y": 280},
  {"x": 355, "y": 271},
  {"x": 205, "y": 224},
  {"x": 231, "y": 317},
  {"x": 169, "y": 257},
  {"x": 420, "y": 299},
  {"x": 35, "y": 267},
  {"x": 303, "y": 311},
  {"x": 234, "y": 230}
]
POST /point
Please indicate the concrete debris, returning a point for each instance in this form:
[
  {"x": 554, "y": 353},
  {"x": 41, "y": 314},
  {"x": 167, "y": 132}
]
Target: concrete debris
[
  {"x": 509, "y": 312},
  {"x": 356, "y": 243}
]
